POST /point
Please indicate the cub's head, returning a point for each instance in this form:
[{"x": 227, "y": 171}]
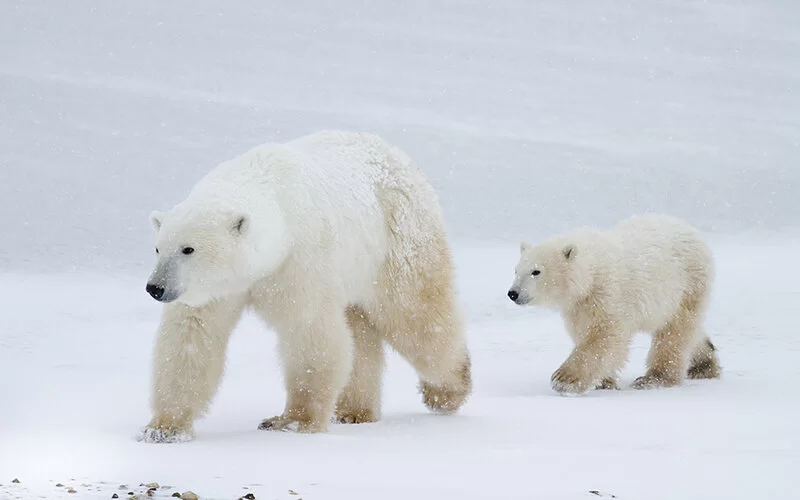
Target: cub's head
[
  {"x": 552, "y": 274},
  {"x": 208, "y": 254}
]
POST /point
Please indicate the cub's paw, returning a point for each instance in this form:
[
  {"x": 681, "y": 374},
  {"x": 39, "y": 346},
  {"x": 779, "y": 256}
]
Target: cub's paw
[
  {"x": 654, "y": 381},
  {"x": 567, "y": 381},
  {"x": 607, "y": 384},
  {"x": 287, "y": 424},
  {"x": 165, "y": 434},
  {"x": 355, "y": 417}
]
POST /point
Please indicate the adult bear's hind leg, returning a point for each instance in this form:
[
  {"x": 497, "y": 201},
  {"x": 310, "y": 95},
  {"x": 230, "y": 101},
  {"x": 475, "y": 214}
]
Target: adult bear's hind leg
[
  {"x": 360, "y": 401},
  {"x": 431, "y": 339},
  {"x": 417, "y": 310},
  {"x": 705, "y": 362},
  {"x": 316, "y": 350}
]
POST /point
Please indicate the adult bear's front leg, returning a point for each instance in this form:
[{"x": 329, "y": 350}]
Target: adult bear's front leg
[
  {"x": 188, "y": 365},
  {"x": 316, "y": 354}
]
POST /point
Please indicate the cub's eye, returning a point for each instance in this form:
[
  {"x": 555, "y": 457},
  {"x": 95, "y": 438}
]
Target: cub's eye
[
  {"x": 156, "y": 250},
  {"x": 187, "y": 250},
  {"x": 536, "y": 272}
]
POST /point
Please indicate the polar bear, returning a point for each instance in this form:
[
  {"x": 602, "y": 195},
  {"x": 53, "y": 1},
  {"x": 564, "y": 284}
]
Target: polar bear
[
  {"x": 337, "y": 241},
  {"x": 650, "y": 273}
]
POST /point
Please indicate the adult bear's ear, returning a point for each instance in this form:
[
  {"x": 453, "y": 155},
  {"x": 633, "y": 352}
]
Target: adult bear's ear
[
  {"x": 569, "y": 251},
  {"x": 524, "y": 247},
  {"x": 155, "y": 219},
  {"x": 240, "y": 225}
]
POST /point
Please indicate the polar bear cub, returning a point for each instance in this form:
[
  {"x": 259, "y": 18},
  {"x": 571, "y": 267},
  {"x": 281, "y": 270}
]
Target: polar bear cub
[
  {"x": 649, "y": 273},
  {"x": 337, "y": 241}
]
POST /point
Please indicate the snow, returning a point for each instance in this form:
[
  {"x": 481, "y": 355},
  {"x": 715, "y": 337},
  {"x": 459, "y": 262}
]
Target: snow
[
  {"x": 530, "y": 118},
  {"x": 77, "y": 366}
]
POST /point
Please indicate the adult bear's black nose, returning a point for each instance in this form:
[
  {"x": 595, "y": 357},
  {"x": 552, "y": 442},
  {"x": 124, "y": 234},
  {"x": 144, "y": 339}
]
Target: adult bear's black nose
[
  {"x": 155, "y": 291},
  {"x": 513, "y": 295}
]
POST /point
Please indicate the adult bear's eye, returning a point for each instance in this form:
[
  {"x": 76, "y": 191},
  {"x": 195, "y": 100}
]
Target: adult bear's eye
[
  {"x": 188, "y": 250},
  {"x": 156, "y": 250},
  {"x": 536, "y": 272}
]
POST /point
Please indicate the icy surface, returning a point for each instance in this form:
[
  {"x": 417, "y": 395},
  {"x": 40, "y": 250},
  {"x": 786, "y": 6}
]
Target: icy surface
[
  {"x": 529, "y": 118},
  {"x": 75, "y": 353}
]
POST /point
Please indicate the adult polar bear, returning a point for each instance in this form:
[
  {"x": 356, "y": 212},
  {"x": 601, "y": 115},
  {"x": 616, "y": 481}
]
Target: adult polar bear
[{"x": 335, "y": 239}]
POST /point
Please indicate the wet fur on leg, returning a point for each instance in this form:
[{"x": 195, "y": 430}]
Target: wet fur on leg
[
  {"x": 705, "y": 363},
  {"x": 448, "y": 399}
]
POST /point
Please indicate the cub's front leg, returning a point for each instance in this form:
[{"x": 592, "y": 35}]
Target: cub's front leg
[{"x": 597, "y": 357}]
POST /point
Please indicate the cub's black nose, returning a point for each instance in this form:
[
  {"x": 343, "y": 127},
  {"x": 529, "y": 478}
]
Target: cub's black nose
[
  {"x": 513, "y": 295},
  {"x": 155, "y": 291}
]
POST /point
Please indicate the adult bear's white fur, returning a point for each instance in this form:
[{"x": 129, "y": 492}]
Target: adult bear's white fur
[
  {"x": 335, "y": 239},
  {"x": 650, "y": 273}
]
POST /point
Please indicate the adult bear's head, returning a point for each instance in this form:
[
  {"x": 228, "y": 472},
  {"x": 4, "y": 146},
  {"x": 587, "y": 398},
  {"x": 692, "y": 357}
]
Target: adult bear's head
[{"x": 206, "y": 252}]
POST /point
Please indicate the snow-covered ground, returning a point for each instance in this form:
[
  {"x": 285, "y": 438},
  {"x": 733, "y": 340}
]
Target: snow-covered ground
[
  {"x": 75, "y": 359},
  {"x": 529, "y": 117}
]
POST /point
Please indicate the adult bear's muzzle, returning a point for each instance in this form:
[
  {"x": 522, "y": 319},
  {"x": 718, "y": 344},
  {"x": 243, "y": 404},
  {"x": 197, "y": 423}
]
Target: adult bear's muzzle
[{"x": 155, "y": 291}]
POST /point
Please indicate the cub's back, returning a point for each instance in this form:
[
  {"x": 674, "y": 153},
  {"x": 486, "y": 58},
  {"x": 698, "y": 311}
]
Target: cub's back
[
  {"x": 661, "y": 238},
  {"x": 660, "y": 259}
]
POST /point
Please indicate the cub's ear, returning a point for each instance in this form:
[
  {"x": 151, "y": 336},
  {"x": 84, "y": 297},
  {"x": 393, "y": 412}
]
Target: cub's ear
[
  {"x": 524, "y": 247},
  {"x": 570, "y": 251},
  {"x": 240, "y": 224},
  {"x": 155, "y": 219}
]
